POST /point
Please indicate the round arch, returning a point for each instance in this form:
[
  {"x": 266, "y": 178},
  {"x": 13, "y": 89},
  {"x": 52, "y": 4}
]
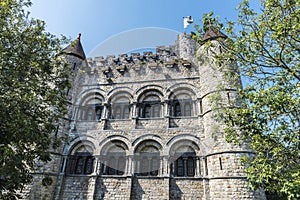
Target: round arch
[
  {"x": 114, "y": 140},
  {"x": 142, "y": 138},
  {"x": 181, "y": 88},
  {"x": 120, "y": 92},
  {"x": 81, "y": 143},
  {"x": 85, "y": 95},
  {"x": 146, "y": 90},
  {"x": 146, "y": 146},
  {"x": 183, "y": 142}
]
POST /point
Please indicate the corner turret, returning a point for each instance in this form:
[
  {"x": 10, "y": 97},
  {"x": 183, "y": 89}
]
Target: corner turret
[
  {"x": 212, "y": 34},
  {"x": 75, "y": 49}
]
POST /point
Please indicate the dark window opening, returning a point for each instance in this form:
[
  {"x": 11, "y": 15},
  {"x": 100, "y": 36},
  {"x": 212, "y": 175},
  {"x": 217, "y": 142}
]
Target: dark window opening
[
  {"x": 80, "y": 163},
  {"x": 185, "y": 166},
  {"x": 149, "y": 166},
  {"x": 179, "y": 108},
  {"x": 115, "y": 166},
  {"x": 120, "y": 111},
  {"x": 150, "y": 109},
  {"x": 91, "y": 112}
]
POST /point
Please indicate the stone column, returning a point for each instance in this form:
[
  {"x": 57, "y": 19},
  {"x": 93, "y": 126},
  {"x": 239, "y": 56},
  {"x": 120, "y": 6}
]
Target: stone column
[
  {"x": 198, "y": 164},
  {"x": 161, "y": 166},
  {"x": 167, "y": 113},
  {"x": 185, "y": 167},
  {"x": 75, "y": 114},
  {"x": 104, "y": 113},
  {"x": 204, "y": 164},
  {"x": 137, "y": 166},
  {"x": 166, "y": 168},
  {"x": 64, "y": 163},
  {"x": 134, "y": 110},
  {"x": 172, "y": 170},
  {"x": 134, "y": 114},
  {"x": 105, "y": 168},
  {"x": 166, "y": 108},
  {"x": 129, "y": 166},
  {"x": 133, "y": 165},
  {"x": 95, "y": 171}
]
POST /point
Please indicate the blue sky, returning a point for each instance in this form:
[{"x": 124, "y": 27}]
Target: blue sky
[{"x": 99, "y": 20}]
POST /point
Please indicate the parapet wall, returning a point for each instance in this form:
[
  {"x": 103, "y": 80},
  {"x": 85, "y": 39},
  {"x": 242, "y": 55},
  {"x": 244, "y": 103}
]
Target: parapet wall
[{"x": 181, "y": 52}]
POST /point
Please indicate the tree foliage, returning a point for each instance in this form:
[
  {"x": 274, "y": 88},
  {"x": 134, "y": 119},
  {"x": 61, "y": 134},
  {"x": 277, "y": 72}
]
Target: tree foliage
[
  {"x": 267, "y": 50},
  {"x": 32, "y": 81}
]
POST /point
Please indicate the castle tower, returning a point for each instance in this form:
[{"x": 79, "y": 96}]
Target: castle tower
[
  {"x": 142, "y": 127},
  {"x": 224, "y": 170},
  {"x": 54, "y": 169},
  {"x": 186, "y": 46}
]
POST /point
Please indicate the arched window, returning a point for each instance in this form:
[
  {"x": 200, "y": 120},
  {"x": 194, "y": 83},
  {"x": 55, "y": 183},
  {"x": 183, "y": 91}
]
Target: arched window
[
  {"x": 184, "y": 159},
  {"x": 147, "y": 158},
  {"x": 91, "y": 110},
  {"x": 115, "y": 164},
  {"x": 120, "y": 108},
  {"x": 113, "y": 158},
  {"x": 150, "y": 106},
  {"x": 185, "y": 165},
  {"x": 80, "y": 163},
  {"x": 181, "y": 105}
]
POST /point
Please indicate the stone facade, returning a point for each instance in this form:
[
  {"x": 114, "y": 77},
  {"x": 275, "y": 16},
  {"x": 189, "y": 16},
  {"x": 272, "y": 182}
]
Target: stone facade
[{"x": 142, "y": 127}]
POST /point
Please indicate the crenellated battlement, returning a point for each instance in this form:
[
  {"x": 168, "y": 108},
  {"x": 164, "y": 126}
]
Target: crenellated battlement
[
  {"x": 181, "y": 54},
  {"x": 163, "y": 54}
]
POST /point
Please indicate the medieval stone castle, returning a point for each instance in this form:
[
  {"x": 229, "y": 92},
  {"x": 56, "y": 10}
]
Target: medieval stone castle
[{"x": 141, "y": 126}]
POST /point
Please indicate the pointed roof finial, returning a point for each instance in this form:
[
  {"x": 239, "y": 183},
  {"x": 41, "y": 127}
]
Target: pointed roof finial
[
  {"x": 75, "y": 48},
  {"x": 212, "y": 33},
  {"x": 79, "y": 35}
]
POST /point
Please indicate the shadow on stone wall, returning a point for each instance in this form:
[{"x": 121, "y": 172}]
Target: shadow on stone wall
[
  {"x": 100, "y": 189},
  {"x": 175, "y": 191},
  {"x": 136, "y": 190}
]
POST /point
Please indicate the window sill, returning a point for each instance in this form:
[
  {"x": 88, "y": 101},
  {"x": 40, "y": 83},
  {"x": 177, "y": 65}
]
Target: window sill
[
  {"x": 183, "y": 117},
  {"x": 117, "y": 120}
]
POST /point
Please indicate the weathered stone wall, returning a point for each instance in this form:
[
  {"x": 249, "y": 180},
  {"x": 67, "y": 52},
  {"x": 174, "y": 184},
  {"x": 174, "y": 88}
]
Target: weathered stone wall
[
  {"x": 36, "y": 190},
  {"x": 225, "y": 165},
  {"x": 112, "y": 188},
  {"x": 77, "y": 187},
  {"x": 150, "y": 188},
  {"x": 233, "y": 189},
  {"x": 186, "y": 189}
]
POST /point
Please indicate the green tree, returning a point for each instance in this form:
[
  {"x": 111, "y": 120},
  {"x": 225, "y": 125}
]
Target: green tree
[
  {"x": 32, "y": 84},
  {"x": 267, "y": 50}
]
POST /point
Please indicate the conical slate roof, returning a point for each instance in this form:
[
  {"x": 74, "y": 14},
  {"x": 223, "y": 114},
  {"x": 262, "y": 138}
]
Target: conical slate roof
[
  {"x": 75, "y": 49},
  {"x": 213, "y": 33}
]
